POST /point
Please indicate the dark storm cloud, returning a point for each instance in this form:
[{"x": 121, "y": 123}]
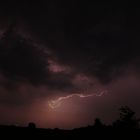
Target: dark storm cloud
[
  {"x": 24, "y": 61},
  {"x": 61, "y": 82},
  {"x": 19, "y": 58},
  {"x": 101, "y": 43},
  {"x": 95, "y": 39},
  {"x": 85, "y": 48}
]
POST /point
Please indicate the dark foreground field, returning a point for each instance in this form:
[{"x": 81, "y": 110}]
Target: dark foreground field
[{"x": 12, "y": 132}]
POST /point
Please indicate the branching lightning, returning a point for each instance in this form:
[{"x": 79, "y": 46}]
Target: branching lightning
[{"x": 56, "y": 103}]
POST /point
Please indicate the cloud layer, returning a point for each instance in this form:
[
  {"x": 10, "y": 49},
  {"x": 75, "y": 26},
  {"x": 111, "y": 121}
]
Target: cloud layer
[{"x": 50, "y": 49}]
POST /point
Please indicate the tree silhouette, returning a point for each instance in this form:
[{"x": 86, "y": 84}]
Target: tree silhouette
[
  {"x": 98, "y": 124},
  {"x": 127, "y": 119}
]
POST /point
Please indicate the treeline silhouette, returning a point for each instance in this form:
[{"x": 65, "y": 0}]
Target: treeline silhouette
[{"x": 126, "y": 126}]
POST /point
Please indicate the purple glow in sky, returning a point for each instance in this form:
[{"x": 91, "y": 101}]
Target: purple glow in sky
[{"x": 62, "y": 65}]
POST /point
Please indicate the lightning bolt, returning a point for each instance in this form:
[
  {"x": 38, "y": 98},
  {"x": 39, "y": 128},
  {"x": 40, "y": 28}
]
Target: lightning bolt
[{"x": 56, "y": 103}]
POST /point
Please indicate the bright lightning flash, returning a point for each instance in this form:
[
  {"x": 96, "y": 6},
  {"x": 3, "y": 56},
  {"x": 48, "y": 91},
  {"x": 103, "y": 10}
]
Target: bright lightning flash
[{"x": 56, "y": 103}]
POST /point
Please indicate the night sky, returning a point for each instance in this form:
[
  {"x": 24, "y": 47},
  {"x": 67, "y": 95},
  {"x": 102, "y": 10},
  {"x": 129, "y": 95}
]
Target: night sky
[{"x": 62, "y": 64}]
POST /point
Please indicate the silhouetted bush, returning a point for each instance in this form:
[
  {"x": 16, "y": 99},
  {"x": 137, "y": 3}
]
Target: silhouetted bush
[
  {"x": 98, "y": 124},
  {"x": 32, "y": 125}
]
